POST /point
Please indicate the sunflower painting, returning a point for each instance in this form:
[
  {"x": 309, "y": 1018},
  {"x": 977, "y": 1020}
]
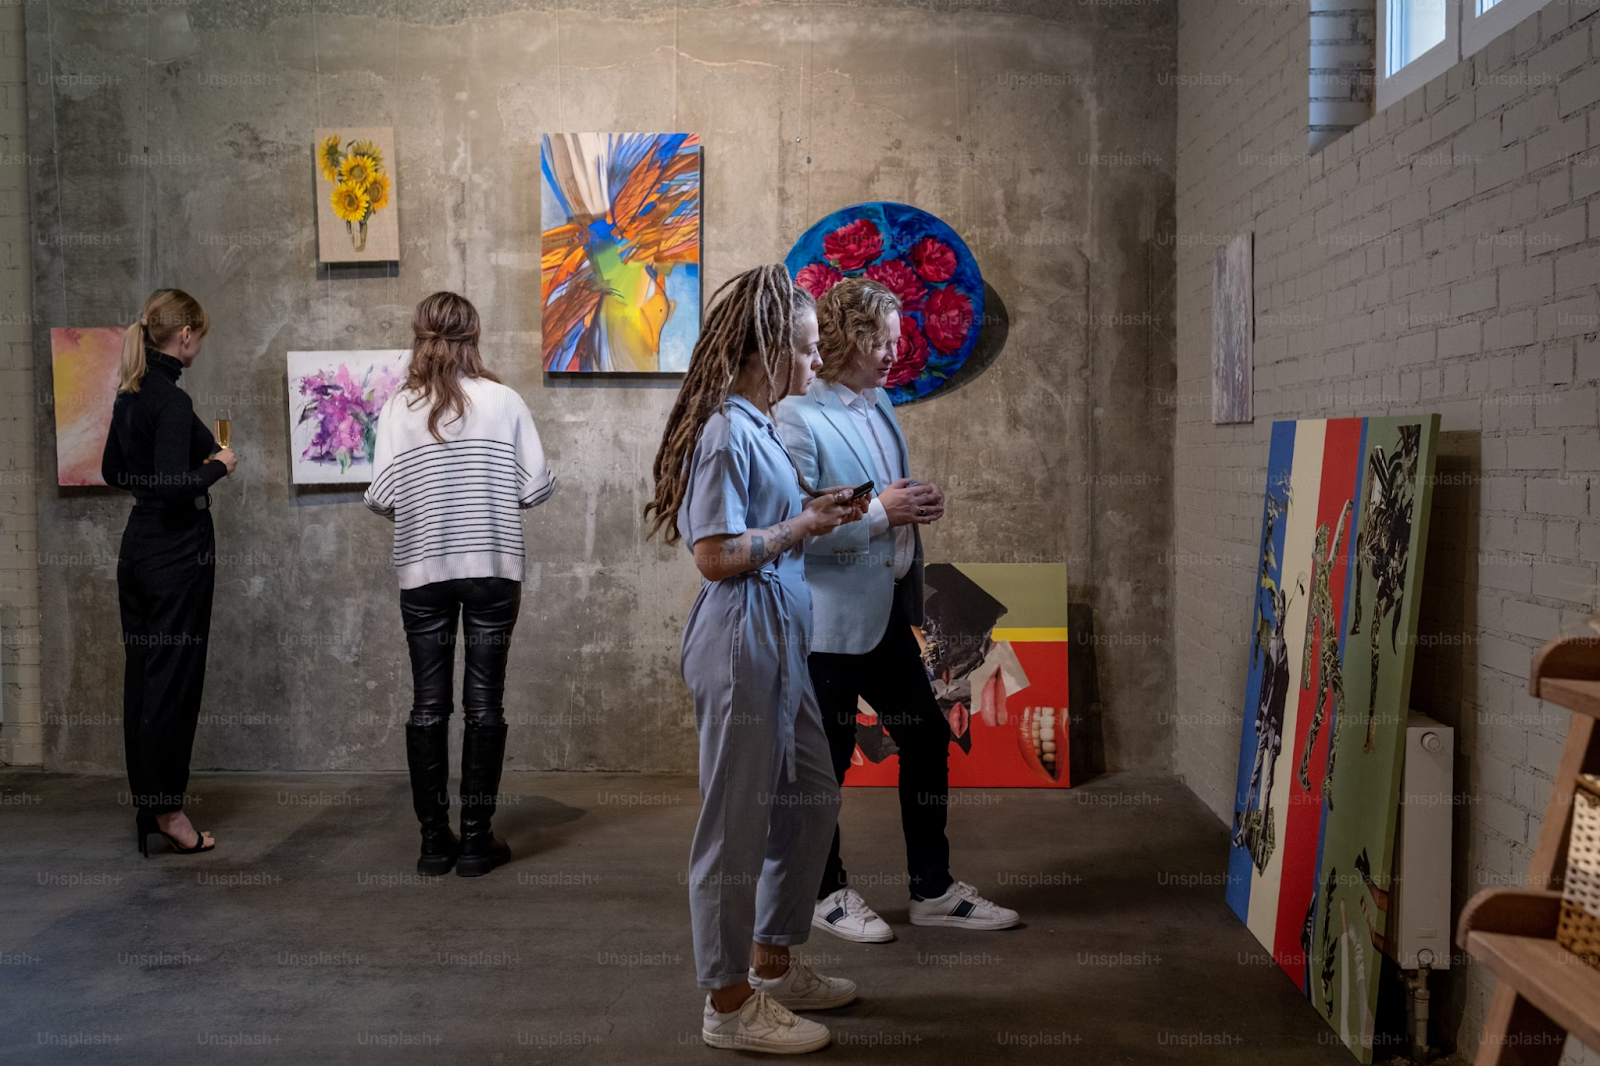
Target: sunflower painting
[
  {"x": 357, "y": 221},
  {"x": 621, "y": 251}
]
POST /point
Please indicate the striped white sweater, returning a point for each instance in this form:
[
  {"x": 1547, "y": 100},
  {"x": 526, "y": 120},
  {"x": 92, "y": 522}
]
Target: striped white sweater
[{"x": 457, "y": 504}]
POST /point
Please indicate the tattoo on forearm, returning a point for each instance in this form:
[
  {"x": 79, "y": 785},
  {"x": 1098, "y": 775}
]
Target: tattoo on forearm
[
  {"x": 774, "y": 542},
  {"x": 757, "y": 546}
]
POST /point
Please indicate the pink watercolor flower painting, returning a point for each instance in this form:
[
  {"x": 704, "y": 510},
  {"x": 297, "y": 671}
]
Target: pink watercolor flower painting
[{"x": 335, "y": 399}]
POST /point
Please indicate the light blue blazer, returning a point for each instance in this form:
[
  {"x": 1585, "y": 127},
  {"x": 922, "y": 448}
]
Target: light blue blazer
[{"x": 851, "y": 574}]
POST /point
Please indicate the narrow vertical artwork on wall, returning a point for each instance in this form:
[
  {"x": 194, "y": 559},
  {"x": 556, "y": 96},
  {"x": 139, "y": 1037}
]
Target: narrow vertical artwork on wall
[
  {"x": 357, "y": 202},
  {"x": 994, "y": 643},
  {"x": 620, "y": 242},
  {"x": 1344, "y": 528},
  {"x": 85, "y": 364},
  {"x": 1232, "y": 333},
  {"x": 334, "y": 402}
]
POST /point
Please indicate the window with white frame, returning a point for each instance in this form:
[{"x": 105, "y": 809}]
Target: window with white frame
[
  {"x": 1418, "y": 40},
  {"x": 1484, "y": 20}
]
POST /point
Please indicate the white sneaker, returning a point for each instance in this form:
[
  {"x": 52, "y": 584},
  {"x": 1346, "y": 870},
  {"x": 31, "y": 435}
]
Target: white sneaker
[
  {"x": 845, "y": 914},
  {"x": 962, "y": 906},
  {"x": 762, "y": 1024},
  {"x": 803, "y": 988}
]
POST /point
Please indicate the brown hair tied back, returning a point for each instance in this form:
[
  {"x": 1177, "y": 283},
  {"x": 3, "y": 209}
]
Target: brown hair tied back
[
  {"x": 444, "y": 351},
  {"x": 751, "y": 315}
]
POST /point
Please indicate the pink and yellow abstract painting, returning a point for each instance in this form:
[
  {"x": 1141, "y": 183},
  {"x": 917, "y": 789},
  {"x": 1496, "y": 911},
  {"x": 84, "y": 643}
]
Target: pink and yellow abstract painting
[{"x": 85, "y": 364}]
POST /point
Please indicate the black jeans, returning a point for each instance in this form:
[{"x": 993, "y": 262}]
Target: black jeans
[
  {"x": 487, "y": 608},
  {"x": 893, "y": 681},
  {"x": 166, "y": 573}
]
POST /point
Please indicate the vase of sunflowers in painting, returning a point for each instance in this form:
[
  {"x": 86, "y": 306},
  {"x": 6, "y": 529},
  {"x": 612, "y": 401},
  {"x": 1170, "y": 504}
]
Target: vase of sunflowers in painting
[{"x": 360, "y": 185}]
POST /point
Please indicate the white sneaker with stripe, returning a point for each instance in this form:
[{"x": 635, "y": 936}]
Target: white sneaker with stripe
[
  {"x": 962, "y": 907},
  {"x": 845, "y": 914}
]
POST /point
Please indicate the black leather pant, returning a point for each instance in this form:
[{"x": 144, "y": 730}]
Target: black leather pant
[{"x": 487, "y": 608}]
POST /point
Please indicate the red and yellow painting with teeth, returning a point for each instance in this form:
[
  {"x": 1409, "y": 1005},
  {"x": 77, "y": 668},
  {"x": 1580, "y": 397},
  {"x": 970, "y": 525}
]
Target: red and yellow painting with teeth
[{"x": 994, "y": 644}]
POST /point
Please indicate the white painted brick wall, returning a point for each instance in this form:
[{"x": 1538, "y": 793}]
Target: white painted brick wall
[
  {"x": 1443, "y": 256},
  {"x": 20, "y": 738}
]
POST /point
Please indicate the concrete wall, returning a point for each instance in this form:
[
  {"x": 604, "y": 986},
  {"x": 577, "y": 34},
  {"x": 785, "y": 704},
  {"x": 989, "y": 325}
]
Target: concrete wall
[
  {"x": 1441, "y": 257},
  {"x": 173, "y": 148},
  {"x": 20, "y": 731}
]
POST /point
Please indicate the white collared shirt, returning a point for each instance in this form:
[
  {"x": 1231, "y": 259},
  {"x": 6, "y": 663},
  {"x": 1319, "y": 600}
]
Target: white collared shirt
[{"x": 875, "y": 430}]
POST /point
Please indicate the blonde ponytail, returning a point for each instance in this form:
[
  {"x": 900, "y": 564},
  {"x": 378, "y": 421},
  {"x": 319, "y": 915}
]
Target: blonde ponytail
[
  {"x": 132, "y": 358},
  {"x": 165, "y": 314}
]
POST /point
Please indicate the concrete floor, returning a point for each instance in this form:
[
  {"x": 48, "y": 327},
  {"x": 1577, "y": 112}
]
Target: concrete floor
[{"x": 306, "y": 937}]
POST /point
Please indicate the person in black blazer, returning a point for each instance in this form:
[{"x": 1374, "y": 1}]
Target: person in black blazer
[{"x": 166, "y": 568}]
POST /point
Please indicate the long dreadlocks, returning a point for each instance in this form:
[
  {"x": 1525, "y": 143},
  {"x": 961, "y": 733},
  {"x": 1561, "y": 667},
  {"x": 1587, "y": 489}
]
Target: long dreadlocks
[{"x": 752, "y": 315}]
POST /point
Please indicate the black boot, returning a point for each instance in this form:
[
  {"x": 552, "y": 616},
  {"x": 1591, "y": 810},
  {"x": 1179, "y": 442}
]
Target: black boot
[
  {"x": 428, "y": 756},
  {"x": 483, "y": 749}
]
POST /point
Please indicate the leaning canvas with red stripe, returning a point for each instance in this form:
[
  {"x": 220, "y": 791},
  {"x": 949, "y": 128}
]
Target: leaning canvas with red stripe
[{"x": 1343, "y": 532}]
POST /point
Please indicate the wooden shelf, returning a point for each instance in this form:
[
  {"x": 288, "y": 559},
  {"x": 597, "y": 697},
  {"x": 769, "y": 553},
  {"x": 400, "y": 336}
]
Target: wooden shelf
[
  {"x": 1582, "y": 697},
  {"x": 1513, "y": 911},
  {"x": 1545, "y": 992},
  {"x": 1547, "y": 975}
]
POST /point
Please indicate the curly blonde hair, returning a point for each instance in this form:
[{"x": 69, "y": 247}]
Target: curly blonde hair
[{"x": 851, "y": 320}]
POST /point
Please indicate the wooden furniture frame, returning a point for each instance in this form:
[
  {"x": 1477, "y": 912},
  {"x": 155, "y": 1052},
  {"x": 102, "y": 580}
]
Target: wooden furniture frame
[{"x": 1545, "y": 992}]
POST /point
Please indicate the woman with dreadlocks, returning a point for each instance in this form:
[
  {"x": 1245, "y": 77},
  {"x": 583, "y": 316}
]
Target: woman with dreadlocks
[{"x": 725, "y": 486}]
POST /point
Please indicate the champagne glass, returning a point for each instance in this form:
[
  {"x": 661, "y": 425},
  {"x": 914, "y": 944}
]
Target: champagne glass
[{"x": 224, "y": 431}]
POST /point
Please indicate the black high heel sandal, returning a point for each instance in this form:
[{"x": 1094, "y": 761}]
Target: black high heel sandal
[{"x": 145, "y": 825}]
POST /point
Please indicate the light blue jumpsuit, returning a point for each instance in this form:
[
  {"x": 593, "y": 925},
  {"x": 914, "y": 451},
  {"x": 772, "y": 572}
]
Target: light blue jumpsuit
[{"x": 769, "y": 800}]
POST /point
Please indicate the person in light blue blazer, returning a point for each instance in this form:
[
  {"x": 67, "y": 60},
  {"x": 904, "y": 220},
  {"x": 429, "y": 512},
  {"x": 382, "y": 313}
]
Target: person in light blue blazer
[{"x": 867, "y": 593}]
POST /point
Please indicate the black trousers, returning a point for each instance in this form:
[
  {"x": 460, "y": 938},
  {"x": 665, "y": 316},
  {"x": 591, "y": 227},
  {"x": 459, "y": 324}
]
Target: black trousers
[
  {"x": 892, "y": 679},
  {"x": 487, "y": 610},
  {"x": 166, "y": 574}
]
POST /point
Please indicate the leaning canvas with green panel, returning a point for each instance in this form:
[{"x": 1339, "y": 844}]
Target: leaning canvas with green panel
[{"x": 1343, "y": 533}]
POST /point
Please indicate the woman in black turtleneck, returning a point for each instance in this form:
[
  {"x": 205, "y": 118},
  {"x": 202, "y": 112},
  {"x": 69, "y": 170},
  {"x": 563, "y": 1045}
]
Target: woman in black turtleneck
[{"x": 166, "y": 570}]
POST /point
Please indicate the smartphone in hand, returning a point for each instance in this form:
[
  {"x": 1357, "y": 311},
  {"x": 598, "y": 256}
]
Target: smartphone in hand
[{"x": 861, "y": 490}]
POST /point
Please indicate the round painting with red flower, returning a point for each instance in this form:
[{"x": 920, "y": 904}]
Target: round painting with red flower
[{"x": 923, "y": 262}]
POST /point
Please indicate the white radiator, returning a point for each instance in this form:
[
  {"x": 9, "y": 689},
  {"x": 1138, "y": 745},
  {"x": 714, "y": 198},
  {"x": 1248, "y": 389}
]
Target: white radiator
[{"x": 1418, "y": 933}]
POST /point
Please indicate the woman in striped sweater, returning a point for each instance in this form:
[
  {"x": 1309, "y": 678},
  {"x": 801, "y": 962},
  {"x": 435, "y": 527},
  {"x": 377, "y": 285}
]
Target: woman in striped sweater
[{"x": 457, "y": 461}]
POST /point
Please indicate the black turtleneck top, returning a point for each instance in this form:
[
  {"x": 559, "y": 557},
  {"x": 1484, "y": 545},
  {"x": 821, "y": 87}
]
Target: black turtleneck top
[{"x": 157, "y": 449}]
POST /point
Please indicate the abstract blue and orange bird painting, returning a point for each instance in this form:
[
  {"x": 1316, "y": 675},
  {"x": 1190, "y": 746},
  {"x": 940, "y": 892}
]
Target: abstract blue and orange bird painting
[{"x": 620, "y": 251}]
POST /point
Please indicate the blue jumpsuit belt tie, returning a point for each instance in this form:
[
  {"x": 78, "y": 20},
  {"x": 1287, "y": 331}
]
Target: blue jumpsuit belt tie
[{"x": 790, "y": 642}]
